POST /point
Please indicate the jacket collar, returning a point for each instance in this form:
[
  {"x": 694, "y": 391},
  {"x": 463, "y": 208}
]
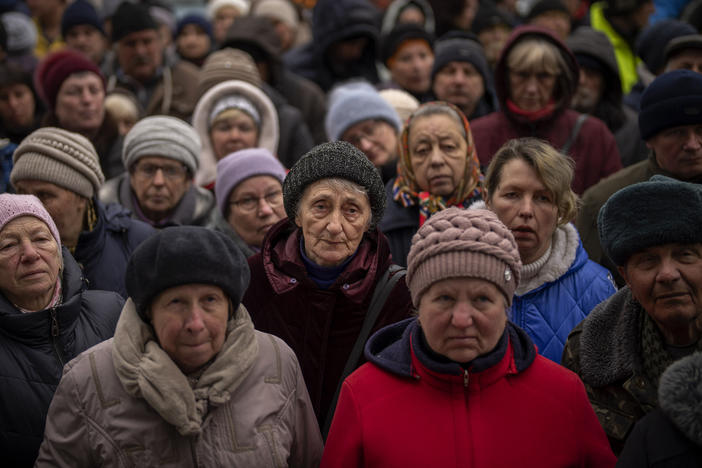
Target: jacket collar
[{"x": 680, "y": 396}]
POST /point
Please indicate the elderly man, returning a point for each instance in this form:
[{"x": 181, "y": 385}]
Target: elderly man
[
  {"x": 652, "y": 231},
  {"x": 159, "y": 88},
  {"x": 161, "y": 155},
  {"x": 670, "y": 122},
  {"x": 63, "y": 170}
]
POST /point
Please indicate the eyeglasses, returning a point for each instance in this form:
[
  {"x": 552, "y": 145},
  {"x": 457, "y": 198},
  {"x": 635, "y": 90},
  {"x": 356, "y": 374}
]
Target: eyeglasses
[
  {"x": 170, "y": 172},
  {"x": 369, "y": 131},
  {"x": 273, "y": 199}
]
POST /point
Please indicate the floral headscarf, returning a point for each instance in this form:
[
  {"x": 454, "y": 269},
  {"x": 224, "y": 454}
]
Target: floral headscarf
[{"x": 407, "y": 192}]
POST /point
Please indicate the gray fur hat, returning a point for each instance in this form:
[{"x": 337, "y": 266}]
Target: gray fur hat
[
  {"x": 337, "y": 159},
  {"x": 660, "y": 211}
]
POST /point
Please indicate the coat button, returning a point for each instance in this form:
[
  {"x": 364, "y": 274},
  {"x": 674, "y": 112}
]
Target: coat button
[
  {"x": 346, "y": 286},
  {"x": 293, "y": 281}
]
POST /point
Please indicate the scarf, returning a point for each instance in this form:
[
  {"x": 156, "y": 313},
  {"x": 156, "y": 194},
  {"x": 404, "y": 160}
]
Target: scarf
[{"x": 532, "y": 116}]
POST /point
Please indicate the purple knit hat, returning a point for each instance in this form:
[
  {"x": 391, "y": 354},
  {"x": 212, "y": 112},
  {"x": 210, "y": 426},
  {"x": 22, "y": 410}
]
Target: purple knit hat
[
  {"x": 457, "y": 243},
  {"x": 239, "y": 166},
  {"x": 14, "y": 206}
]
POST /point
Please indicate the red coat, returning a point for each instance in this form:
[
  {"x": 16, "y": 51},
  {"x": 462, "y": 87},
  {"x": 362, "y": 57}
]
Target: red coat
[
  {"x": 538, "y": 416},
  {"x": 594, "y": 150},
  {"x": 320, "y": 325}
]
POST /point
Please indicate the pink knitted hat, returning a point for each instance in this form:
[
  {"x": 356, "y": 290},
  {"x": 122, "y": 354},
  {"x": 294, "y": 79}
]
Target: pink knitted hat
[
  {"x": 14, "y": 206},
  {"x": 456, "y": 243}
]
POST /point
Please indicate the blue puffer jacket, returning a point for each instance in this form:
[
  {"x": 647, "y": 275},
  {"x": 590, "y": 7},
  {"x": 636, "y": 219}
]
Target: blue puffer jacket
[
  {"x": 103, "y": 252},
  {"x": 551, "y": 310}
]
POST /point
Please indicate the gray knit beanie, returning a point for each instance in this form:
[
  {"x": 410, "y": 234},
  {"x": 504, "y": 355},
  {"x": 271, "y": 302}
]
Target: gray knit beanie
[
  {"x": 227, "y": 64},
  {"x": 329, "y": 160},
  {"x": 457, "y": 243},
  {"x": 164, "y": 136},
  {"x": 64, "y": 158},
  {"x": 353, "y": 103}
]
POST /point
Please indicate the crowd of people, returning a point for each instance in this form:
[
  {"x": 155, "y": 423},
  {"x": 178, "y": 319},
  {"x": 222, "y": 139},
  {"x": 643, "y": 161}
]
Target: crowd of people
[{"x": 351, "y": 233}]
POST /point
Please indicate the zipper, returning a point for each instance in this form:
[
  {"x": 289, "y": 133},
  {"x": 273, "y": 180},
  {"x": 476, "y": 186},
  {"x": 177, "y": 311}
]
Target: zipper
[
  {"x": 55, "y": 335},
  {"x": 466, "y": 378}
]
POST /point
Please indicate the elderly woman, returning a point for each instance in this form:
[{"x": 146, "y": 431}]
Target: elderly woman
[
  {"x": 313, "y": 281},
  {"x": 232, "y": 116},
  {"x": 528, "y": 185},
  {"x": 535, "y": 79},
  {"x": 186, "y": 376},
  {"x": 438, "y": 168},
  {"x": 47, "y": 317},
  {"x": 460, "y": 385},
  {"x": 249, "y": 192},
  {"x": 73, "y": 89}
]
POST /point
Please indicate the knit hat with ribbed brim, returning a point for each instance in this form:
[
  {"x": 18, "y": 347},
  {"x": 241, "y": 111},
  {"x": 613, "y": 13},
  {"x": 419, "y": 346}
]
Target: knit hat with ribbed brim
[
  {"x": 56, "y": 68},
  {"x": 337, "y": 159},
  {"x": 80, "y": 12},
  {"x": 64, "y": 158},
  {"x": 129, "y": 18},
  {"x": 457, "y": 243},
  {"x": 672, "y": 99},
  {"x": 657, "y": 212},
  {"x": 227, "y": 64},
  {"x": 677, "y": 45},
  {"x": 14, "y": 206}
]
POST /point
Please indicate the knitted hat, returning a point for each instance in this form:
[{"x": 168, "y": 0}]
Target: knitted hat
[
  {"x": 393, "y": 41},
  {"x": 21, "y": 33},
  {"x": 329, "y": 160},
  {"x": 544, "y": 6},
  {"x": 457, "y": 243},
  {"x": 673, "y": 98},
  {"x": 80, "y": 12},
  {"x": 237, "y": 102},
  {"x": 355, "y": 102},
  {"x": 279, "y": 10},
  {"x": 402, "y": 101},
  {"x": 164, "y": 136},
  {"x": 14, "y": 206},
  {"x": 652, "y": 42},
  {"x": 214, "y": 5},
  {"x": 181, "y": 255},
  {"x": 241, "y": 165},
  {"x": 164, "y": 16},
  {"x": 61, "y": 157},
  {"x": 197, "y": 20},
  {"x": 458, "y": 49},
  {"x": 660, "y": 211},
  {"x": 227, "y": 64},
  {"x": 691, "y": 41},
  {"x": 129, "y": 18},
  {"x": 488, "y": 16},
  {"x": 56, "y": 68}
]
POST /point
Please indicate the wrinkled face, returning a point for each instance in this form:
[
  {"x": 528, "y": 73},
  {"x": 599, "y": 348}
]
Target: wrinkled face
[
  {"x": 437, "y": 153},
  {"x": 255, "y": 205},
  {"x": 234, "y": 131},
  {"x": 190, "y": 322},
  {"x": 589, "y": 91},
  {"x": 411, "y": 69},
  {"x": 139, "y": 54},
  {"x": 333, "y": 222},
  {"x": 678, "y": 150},
  {"x": 159, "y": 184},
  {"x": 66, "y": 208},
  {"x": 531, "y": 90},
  {"x": 526, "y": 207},
  {"x": 223, "y": 18},
  {"x": 462, "y": 318},
  {"x": 687, "y": 59},
  {"x": 29, "y": 261},
  {"x": 80, "y": 103},
  {"x": 376, "y": 138},
  {"x": 667, "y": 281},
  {"x": 88, "y": 40},
  {"x": 16, "y": 106},
  {"x": 461, "y": 84},
  {"x": 193, "y": 42},
  {"x": 555, "y": 21}
]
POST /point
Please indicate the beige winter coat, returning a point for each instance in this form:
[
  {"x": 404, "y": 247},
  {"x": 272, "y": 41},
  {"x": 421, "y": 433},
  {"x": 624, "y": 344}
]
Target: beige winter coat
[{"x": 124, "y": 403}]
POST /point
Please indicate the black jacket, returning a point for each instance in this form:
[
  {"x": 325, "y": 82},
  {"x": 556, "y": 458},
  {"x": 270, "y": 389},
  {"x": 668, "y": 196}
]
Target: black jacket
[{"x": 33, "y": 349}]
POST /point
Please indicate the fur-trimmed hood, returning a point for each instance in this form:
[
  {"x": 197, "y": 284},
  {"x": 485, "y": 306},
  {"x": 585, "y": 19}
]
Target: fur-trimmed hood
[{"x": 680, "y": 395}]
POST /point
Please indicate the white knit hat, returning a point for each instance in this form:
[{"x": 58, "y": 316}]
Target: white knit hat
[{"x": 214, "y": 5}]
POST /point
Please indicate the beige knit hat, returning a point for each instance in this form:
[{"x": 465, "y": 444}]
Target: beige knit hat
[
  {"x": 458, "y": 243},
  {"x": 227, "y": 64},
  {"x": 61, "y": 157}
]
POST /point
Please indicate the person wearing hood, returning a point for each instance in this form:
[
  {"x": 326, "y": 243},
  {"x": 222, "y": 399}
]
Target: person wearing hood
[
  {"x": 408, "y": 11},
  {"x": 344, "y": 45},
  {"x": 536, "y": 78},
  {"x": 407, "y": 52},
  {"x": 670, "y": 436},
  {"x": 600, "y": 95},
  {"x": 461, "y": 75},
  {"x": 460, "y": 385}
]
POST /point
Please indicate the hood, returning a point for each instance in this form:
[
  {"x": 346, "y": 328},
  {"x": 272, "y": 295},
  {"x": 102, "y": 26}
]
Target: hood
[
  {"x": 269, "y": 133},
  {"x": 563, "y": 85},
  {"x": 396, "y": 7},
  {"x": 595, "y": 44},
  {"x": 680, "y": 395},
  {"x": 254, "y": 35},
  {"x": 334, "y": 20}
]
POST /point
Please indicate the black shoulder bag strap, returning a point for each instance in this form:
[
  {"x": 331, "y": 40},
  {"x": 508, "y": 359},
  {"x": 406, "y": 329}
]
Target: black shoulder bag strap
[
  {"x": 382, "y": 290},
  {"x": 574, "y": 133}
]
